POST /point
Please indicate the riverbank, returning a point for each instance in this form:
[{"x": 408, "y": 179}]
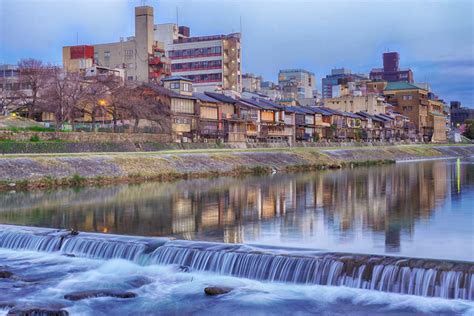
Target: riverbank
[{"x": 23, "y": 172}]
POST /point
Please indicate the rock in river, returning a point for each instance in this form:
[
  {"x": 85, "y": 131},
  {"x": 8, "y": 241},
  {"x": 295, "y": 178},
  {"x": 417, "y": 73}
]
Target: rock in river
[
  {"x": 5, "y": 274},
  {"x": 217, "y": 290},
  {"x": 76, "y": 296},
  {"x": 36, "y": 311}
]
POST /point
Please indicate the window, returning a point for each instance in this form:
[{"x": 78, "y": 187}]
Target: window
[
  {"x": 182, "y": 106},
  {"x": 407, "y": 97},
  {"x": 187, "y": 87},
  {"x": 128, "y": 52},
  {"x": 130, "y": 78},
  {"x": 174, "y": 85}
]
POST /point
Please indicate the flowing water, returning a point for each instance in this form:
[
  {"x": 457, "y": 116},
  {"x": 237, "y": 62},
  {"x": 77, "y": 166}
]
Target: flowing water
[{"x": 347, "y": 241}]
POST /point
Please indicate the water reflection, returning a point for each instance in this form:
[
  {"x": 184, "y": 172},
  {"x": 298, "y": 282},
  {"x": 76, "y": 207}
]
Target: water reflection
[{"x": 405, "y": 208}]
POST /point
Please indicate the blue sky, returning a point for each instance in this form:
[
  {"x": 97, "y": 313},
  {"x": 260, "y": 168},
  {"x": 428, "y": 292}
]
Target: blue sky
[{"x": 434, "y": 38}]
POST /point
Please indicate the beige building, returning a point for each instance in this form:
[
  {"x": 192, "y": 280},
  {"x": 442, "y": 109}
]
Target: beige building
[
  {"x": 370, "y": 103},
  {"x": 140, "y": 56}
]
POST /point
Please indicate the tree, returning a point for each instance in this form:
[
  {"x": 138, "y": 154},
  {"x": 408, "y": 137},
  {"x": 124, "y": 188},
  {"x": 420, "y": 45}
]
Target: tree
[
  {"x": 98, "y": 96},
  {"x": 469, "y": 129},
  {"x": 33, "y": 78},
  {"x": 64, "y": 96}
]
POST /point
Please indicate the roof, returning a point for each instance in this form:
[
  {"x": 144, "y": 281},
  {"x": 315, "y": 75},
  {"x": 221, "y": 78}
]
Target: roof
[
  {"x": 399, "y": 85},
  {"x": 173, "y": 78},
  {"x": 221, "y": 97},
  {"x": 204, "y": 98},
  {"x": 170, "y": 93},
  {"x": 259, "y": 103}
]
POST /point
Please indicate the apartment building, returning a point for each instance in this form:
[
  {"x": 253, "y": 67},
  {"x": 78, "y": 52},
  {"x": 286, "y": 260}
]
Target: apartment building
[
  {"x": 338, "y": 77},
  {"x": 141, "y": 57},
  {"x": 391, "y": 71},
  {"x": 370, "y": 103},
  {"x": 421, "y": 107},
  {"x": 251, "y": 83},
  {"x": 296, "y": 84}
]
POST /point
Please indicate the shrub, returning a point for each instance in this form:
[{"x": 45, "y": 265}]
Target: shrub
[{"x": 34, "y": 138}]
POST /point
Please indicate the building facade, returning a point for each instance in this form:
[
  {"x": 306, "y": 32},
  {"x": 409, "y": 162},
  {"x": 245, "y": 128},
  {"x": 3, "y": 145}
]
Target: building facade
[
  {"x": 251, "y": 83},
  {"x": 141, "y": 57},
  {"x": 460, "y": 114},
  {"x": 339, "y": 76},
  {"x": 426, "y": 113},
  {"x": 391, "y": 71},
  {"x": 371, "y": 103},
  {"x": 297, "y": 84},
  {"x": 211, "y": 62}
]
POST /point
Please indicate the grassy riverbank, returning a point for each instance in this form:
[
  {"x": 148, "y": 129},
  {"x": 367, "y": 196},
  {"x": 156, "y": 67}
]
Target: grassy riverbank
[{"x": 28, "y": 171}]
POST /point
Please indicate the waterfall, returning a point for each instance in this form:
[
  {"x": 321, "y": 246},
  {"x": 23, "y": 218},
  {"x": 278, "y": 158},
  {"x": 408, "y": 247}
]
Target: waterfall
[
  {"x": 422, "y": 277},
  {"x": 90, "y": 245},
  {"x": 27, "y": 241}
]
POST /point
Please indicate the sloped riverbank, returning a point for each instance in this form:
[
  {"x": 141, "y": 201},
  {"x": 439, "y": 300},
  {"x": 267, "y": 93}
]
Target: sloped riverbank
[{"x": 49, "y": 171}]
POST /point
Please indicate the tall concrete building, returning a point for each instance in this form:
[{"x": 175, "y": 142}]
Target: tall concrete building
[
  {"x": 339, "y": 76},
  {"x": 212, "y": 62},
  {"x": 140, "y": 56},
  {"x": 391, "y": 71},
  {"x": 297, "y": 84}
]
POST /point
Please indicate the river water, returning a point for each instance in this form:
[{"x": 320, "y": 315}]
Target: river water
[{"x": 412, "y": 209}]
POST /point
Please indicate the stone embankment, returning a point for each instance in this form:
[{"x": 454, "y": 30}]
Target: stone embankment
[{"x": 27, "y": 172}]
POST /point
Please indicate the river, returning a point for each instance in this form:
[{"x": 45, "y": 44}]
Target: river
[{"x": 410, "y": 210}]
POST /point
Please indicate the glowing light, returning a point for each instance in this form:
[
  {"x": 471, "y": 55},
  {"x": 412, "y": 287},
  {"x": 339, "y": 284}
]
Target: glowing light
[
  {"x": 102, "y": 102},
  {"x": 458, "y": 174}
]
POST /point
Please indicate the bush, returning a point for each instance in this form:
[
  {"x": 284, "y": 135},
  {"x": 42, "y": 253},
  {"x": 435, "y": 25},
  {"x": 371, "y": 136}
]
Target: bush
[
  {"x": 469, "y": 129},
  {"x": 34, "y": 138}
]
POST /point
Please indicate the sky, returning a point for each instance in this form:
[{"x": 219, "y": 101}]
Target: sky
[{"x": 434, "y": 37}]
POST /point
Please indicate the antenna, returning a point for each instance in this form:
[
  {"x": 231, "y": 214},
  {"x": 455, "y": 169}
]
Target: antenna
[
  {"x": 143, "y": 2},
  {"x": 177, "y": 16},
  {"x": 240, "y": 25},
  {"x": 77, "y": 38}
]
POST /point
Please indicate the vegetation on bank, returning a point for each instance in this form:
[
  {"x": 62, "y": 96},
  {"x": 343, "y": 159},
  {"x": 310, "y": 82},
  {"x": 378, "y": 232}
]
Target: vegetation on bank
[{"x": 53, "y": 171}]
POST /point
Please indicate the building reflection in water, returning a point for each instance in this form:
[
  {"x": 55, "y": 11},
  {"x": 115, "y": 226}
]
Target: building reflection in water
[{"x": 385, "y": 200}]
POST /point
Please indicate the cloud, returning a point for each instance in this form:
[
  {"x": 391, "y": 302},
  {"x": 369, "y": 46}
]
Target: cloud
[{"x": 433, "y": 37}]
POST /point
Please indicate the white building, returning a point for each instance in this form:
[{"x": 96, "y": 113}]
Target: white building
[
  {"x": 297, "y": 83},
  {"x": 212, "y": 62}
]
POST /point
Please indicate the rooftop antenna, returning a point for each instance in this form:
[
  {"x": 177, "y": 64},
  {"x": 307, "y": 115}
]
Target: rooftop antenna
[
  {"x": 240, "y": 25},
  {"x": 143, "y": 2},
  {"x": 77, "y": 38},
  {"x": 177, "y": 16}
]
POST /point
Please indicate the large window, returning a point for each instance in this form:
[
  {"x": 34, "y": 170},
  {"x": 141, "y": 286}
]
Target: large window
[
  {"x": 205, "y": 77},
  {"x": 195, "y": 52},
  {"x": 182, "y": 106},
  {"x": 200, "y": 65}
]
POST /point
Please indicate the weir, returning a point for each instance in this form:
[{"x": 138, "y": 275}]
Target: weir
[{"x": 422, "y": 277}]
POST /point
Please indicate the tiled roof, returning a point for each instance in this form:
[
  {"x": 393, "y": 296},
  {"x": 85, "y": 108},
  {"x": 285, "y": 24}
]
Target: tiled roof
[
  {"x": 172, "y": 78},
  {"x": 203, "y": 97},
  {"x": 221, "y": 97},
  {"x": 163, "y": 91},
  {"x": 401, "y": 86}
]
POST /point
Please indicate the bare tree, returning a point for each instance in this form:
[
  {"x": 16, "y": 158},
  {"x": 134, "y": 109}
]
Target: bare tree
[
  {"x": 98, "y": 98},
  {"x": 33, "y": 78},
  {"x": 64, "y": 96}
]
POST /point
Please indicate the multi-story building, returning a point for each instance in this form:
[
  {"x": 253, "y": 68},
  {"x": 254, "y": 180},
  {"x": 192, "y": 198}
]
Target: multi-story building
[
  {"x": 212, "y": 62},
  {"x": 9, "y": 84},
  {"x": 251, "y": 83},
  {"x": 391, "y": 71},
  {"x": 297, "y": 84},
  {"x": 424, "y": 111},
  {"x": 140, "y": 56},
  {"x": 371, "y": 103},
  {"x": 271, "y": 90},
  {"x": 339, "y": 76},
  {"x": 459, "y": 114}
]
